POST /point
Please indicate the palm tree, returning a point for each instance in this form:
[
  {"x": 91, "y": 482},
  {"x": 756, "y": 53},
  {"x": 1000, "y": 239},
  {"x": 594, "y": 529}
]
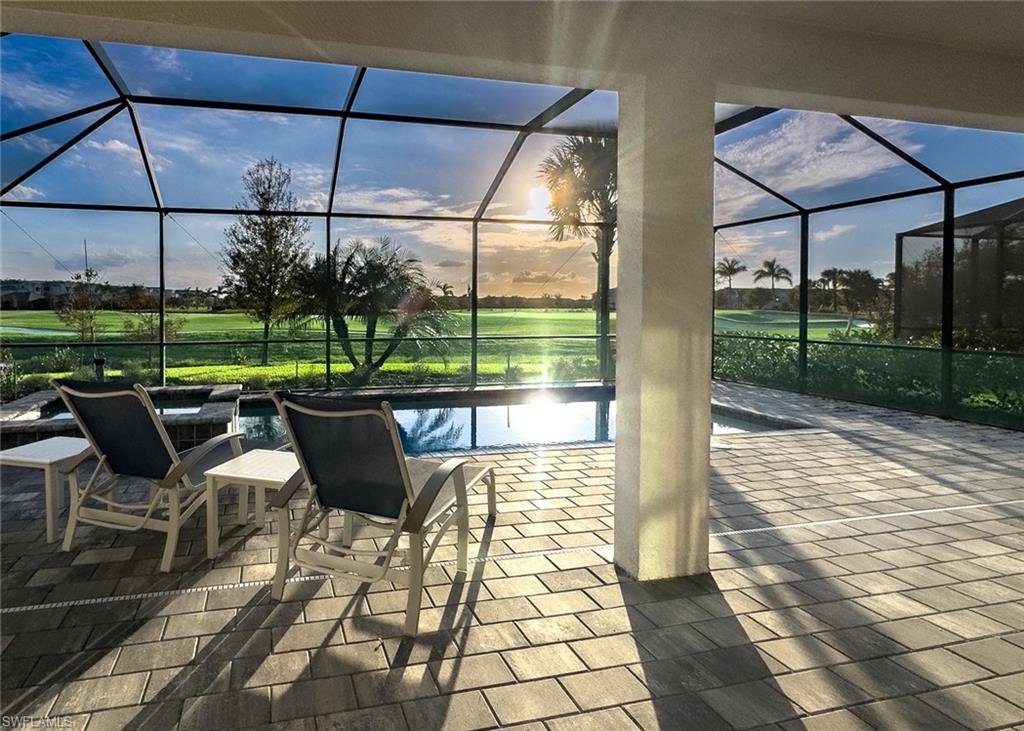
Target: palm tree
[
  {"x": 772, "y": 270},
  {"x": 728, "y": 268},
  {"x": 581, "y": 175},
  {"x": 860, "y": 289},
  {"x": 376, "y": 284},
  {"x": 829, "y": 280},
  {"x": 446, "y": 289}
]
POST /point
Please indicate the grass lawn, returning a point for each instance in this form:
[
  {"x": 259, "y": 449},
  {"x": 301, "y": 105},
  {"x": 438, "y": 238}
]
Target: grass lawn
[
  {"x": 44, "y": 324},
  {"x": 779, "y": 322},
  {"x": 522, "y": 360}
]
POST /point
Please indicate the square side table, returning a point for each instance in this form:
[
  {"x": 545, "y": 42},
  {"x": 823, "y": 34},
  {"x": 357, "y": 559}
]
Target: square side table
[
  {"x": 261, "y": 470},
  {"x": 52, "y": 457}
]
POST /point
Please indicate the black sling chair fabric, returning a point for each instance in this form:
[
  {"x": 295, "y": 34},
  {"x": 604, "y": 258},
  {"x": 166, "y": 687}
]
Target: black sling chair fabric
[
  {"x": 121, "y": 426},
  {"x": 352, "y": 460}
]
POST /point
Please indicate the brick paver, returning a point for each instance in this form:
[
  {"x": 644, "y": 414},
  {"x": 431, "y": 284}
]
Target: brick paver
[{"x": 867, "y": 571}]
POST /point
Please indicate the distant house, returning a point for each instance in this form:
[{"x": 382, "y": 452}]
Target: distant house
[{"x": 31, "y": 294}]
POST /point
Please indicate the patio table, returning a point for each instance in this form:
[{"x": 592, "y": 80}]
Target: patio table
[
  {"x": 51, "y": 456},
  {"x": 261, "y": 470}
]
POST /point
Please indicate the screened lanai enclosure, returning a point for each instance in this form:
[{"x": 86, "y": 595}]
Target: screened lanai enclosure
[
  {"x": 872, "y": 260},
  {"x": 132, "y": 162},
  {"x": 848, "y": 250}
]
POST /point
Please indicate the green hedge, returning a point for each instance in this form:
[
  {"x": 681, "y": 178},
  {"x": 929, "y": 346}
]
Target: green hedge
[
  {"x": 767, "y": 361},
  {"x": 987, "y": 387}
]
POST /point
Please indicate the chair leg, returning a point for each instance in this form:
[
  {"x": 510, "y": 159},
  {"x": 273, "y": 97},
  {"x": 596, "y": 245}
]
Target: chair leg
[
  {"x": 173, "y": 527},
  {"x": 412, "y": 607},
  {"x": 492, "y": 506},
  {"x": 283, "y": 538},
  {"x": 346, "y": 531},
  {"x": 323, "y": 530},
  {"x": 463, "y": 539},
  {"x": 73, "y": 496}
]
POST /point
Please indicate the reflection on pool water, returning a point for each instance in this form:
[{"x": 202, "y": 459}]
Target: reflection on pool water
[{"x": 434, "y": 428}]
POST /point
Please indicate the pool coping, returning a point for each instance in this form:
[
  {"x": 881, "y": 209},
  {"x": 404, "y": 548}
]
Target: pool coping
[{"x": 22, "y": 421}]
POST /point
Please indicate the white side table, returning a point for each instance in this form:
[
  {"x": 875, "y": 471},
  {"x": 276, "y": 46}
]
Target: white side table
[
  {"x": 260, "y": 469},
  {"x": 51, "y": 456}
]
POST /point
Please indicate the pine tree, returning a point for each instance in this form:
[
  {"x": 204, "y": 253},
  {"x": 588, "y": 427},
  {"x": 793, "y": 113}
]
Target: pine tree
[{"x": 264, "y": 252}]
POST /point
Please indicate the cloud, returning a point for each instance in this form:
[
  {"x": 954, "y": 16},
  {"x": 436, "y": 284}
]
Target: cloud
[
  {"x": 396, "y": 199},
  {"x": 106, "y": 261},
  {"x": 35, "y": 143},
  {"x": 167, "y": 60},
  {"x": 161, "y": 138},
  {"x": 23, "y": 92},
  {"x": 833, "y": 232},
  {"x": 25, "y": 193},
  {"x": 528, "y": 277},
  {"x": 115, "y": 146},
  {"x": 734, "y": 196},
  {"x": 806, "y": 152},
  {"x": 451, "y": 264}
]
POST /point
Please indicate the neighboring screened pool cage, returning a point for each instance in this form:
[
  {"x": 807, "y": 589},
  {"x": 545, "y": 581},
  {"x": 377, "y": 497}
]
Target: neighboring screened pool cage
[
  {"x": 988, "y": 278},
  {"x": 854, "y": 244}
]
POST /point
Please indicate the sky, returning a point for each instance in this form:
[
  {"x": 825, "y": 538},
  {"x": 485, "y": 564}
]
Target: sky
[
  {"x": 199, "y": 156},
  {"x": 816, "y": 159}
]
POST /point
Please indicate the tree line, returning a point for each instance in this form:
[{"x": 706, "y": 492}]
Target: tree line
[{"x": 853, "y": 291}]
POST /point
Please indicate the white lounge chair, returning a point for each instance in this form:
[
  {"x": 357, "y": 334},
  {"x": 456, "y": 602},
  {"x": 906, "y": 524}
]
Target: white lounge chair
[
  {"x": 351, "y": 457},
  {"x": 131, "y": 442}
]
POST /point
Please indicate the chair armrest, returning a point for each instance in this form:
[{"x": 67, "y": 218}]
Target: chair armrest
[
  {"x": 288, "y": 490},
  {"x": 181, "y": 469},
  {"x": 421, "y": 507},
  {"x": 69, "y": 466}
]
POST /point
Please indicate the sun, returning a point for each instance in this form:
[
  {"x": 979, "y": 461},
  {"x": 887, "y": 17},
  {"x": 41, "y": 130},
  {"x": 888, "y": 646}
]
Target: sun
[{"x": 540, "y": 198}]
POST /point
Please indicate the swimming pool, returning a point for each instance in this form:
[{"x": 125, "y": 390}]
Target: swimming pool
[{"x": 427, "y": 427}]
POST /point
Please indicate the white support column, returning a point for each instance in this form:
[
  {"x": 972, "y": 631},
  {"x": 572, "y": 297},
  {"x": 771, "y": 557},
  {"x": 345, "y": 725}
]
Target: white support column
[{"x": 664, "y": 327}]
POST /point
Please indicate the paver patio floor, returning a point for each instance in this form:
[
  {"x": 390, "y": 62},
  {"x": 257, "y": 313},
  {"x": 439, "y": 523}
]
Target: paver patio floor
[{"x": 867, "y": 571}]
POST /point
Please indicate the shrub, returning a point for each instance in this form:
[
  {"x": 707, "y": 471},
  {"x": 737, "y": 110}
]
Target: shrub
[
  {"x": 574, "y": 369},
  {"x": 257, "y": 382},
  {"x": 513, "y": 374},
  {"x": 863, "y": 366},
  {"x": 31, "y": 384},
  {"x": 9, "y": 384},
  {"x": 83, "y": 373},
  {"x": 419, "y": 373},
  {"x": 770, "y": 361},
  {"x": 60, "y": 360},
  {"x": 137, "y": 372}
]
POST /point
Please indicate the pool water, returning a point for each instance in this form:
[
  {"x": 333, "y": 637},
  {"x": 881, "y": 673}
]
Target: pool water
[{"x": 435, "y": 428}]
